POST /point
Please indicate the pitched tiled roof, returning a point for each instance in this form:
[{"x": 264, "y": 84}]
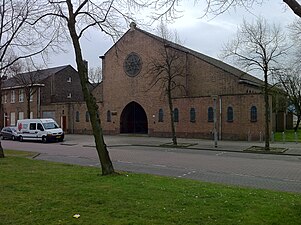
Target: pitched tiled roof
[
  {"x": 243, "y": 76},
  {"x": 39, "y": 76}
]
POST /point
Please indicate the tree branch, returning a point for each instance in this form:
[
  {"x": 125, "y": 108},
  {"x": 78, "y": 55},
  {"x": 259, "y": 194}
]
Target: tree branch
[{"x": 294, "y": 5}]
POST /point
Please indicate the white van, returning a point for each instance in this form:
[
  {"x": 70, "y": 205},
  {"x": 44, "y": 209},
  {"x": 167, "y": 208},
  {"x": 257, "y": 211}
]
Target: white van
[{"x": 39, "y": 129}]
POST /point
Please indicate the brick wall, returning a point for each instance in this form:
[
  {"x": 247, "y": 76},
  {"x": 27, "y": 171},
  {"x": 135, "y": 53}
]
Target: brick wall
[
  {"x": 203, "y": 80},
  {"x": 17, "y": 106},
  {"x": 59, "y": 88}
]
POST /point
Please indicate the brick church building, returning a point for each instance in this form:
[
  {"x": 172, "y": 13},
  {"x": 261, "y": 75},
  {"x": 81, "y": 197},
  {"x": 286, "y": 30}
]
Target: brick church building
[
  {"x": 130, "y": 100},
  {"x": 129, "y": 105}
]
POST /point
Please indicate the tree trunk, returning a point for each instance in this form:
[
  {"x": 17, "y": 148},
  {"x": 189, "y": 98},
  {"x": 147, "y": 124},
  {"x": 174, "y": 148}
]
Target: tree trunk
[
  {"x": 1, "y": 118},
  {"x": 28, "y": 107},
  {"x": 1, "y": 151},
  {"x": 2, "y": 124},
  {"x": 103, "y": 154},
  {"x": 173, "y": 129},
  {"x": 267, "y": 112}
]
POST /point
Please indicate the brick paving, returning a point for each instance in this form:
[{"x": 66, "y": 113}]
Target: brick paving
[{"x": 196, "y": 144}]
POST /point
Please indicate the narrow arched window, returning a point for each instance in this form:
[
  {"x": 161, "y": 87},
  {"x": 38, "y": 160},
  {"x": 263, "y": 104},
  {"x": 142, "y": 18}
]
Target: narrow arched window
[
  {"x": 176, "y": 115},
  {"x": 87, "y": 117},
  {"x": 253, "y": 114},
  {"x": 109, "y": 119},
  {"x": 192, "y": 115},
  {"x": 77, "y": 116},
  {"x": 210, "y": 114},
  {"x": 160, "y": 115},
  {"x": 230, "y": 114}
]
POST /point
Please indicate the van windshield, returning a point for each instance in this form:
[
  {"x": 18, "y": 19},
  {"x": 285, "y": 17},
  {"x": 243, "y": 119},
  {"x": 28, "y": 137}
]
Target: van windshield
[{"x": 50, "y": 125}]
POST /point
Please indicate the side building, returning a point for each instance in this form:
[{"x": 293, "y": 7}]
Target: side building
[{"x": 54, "y": 93}]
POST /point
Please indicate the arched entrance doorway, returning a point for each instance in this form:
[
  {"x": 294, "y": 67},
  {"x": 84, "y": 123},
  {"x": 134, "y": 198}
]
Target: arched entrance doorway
[{"x": 133, "y": 119}]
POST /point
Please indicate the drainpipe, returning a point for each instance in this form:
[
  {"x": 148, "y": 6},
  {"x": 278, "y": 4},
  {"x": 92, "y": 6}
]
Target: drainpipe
[
  {"x": 215, "y": 98},
  {"x": 186, "y": 59},
  {"x": 39, "y": 103},
  {"x": 73, "y": 118},
  {"x": 220, "y": 118}
]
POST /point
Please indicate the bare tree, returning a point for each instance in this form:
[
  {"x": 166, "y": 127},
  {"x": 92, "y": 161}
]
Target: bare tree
[
  {"x": 289, "y": 76},
  {"x": 166, "y": 70},
  {"x": 290, "y": 79},
  {"x": 220, "y": 6},
  {"x": 258, "y": 46},
  {"x": 95, "y": 75},
  {"x": 216, "y": 7},
  {"x": 23, "y": 33},
  {"x": 78, "y": 17},
  {"x": 295, "y": 38},
  {"x": 19, "y": 39}
]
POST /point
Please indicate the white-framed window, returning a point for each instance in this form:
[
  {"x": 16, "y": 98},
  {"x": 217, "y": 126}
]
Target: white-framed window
[
  {"x": 21, "y": 95},
  {"x": 12, "y": 96},
  {"x": 48, "y": 114},
  {"x": 69, "y": 95},
  {"x": 69, "y": 80},
  {"x": 21, "y": 115},
  {"x": 5, "y": 119},
  {"x": 31, "y": 94},
  {"x": 12, "y": 118},
  {"x": 5, "y": 97}
]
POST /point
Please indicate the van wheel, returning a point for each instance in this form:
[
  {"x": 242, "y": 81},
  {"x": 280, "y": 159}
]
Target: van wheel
[
  {"x": 44, "y": 139},
  {"x": 20, "y": 138}
]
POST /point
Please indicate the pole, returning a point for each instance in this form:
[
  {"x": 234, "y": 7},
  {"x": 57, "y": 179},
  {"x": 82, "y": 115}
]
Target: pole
[{"x": 214, "y": 121}]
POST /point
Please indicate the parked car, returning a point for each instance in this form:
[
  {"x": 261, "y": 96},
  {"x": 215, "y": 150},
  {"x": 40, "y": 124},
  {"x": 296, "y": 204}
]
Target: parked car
[
  {"x": 44, "y": 130},
  {"x": 9, "y": 133}
]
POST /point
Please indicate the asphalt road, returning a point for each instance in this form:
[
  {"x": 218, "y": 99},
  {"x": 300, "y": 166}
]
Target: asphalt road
[{"x": 232, "y": 168}]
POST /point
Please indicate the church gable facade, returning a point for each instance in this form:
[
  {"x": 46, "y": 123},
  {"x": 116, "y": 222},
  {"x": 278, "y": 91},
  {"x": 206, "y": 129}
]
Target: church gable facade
[{"x": 131, "y": 103}]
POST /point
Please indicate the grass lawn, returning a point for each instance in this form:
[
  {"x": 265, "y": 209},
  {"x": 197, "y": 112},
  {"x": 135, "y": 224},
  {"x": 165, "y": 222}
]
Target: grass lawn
[
  {"x": 38, "y": 192},
  {"x": 289, "y": 136}
]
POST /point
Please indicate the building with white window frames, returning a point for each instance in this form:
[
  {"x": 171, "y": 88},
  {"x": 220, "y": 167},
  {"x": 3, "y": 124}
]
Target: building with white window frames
[{"x": 51, "y": 94}]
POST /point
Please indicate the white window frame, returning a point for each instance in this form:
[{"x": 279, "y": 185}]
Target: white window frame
[
  {"x": 21, "y": 116},
  {"x": 12, "y": 118},
  {"x": 12, "y": 96},
  {"x": 31, "y": 95},
  {"x": 69, "y": 95},
  {"x": 21, "y": 95},
  {"x": 69, "y": 80},
  {"x": 5, "y": 98}
]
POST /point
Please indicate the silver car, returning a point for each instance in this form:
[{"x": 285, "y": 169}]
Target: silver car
[{"x": 9, "y": 133}]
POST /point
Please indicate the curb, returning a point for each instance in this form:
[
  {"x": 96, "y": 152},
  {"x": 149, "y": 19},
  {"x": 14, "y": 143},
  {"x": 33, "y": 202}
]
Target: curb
[{"x": 189, "y": 148}]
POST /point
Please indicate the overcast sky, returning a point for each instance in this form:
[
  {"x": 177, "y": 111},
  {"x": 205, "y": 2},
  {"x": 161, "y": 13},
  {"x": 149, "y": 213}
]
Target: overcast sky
[{"x": 205, "y": 35}]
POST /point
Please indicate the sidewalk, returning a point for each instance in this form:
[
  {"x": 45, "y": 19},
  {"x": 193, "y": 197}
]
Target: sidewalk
[{"x": 196, "y": 144}]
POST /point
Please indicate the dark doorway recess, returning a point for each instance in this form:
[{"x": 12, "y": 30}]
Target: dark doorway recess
[{"x": 133, "y": 119}]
